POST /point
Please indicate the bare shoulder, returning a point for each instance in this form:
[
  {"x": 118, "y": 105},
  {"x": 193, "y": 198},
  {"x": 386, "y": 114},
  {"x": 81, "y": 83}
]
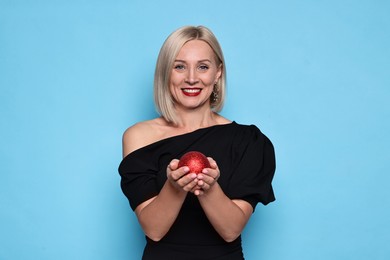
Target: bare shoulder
[{"x": 140, "y": 135}]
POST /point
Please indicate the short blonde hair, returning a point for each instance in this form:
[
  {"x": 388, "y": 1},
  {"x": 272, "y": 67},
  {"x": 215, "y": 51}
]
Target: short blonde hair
[{"x": 162, "y": 96}]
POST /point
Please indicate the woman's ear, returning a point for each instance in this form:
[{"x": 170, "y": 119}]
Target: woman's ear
[{"x": 219, "y": 72}]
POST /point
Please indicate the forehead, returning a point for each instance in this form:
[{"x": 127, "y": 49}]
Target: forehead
[{"x": 196, "y": 50}]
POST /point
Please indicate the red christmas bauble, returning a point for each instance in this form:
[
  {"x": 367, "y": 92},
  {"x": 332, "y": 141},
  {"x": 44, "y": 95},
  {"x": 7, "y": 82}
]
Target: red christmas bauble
[{"x": 196, "y": 161}]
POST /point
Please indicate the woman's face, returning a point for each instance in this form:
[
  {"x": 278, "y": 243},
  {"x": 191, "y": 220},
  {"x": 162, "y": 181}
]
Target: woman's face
[{"x": 194, "y": 74}]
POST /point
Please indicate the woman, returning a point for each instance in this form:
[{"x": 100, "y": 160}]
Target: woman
[{"x": 186, "y": 215}]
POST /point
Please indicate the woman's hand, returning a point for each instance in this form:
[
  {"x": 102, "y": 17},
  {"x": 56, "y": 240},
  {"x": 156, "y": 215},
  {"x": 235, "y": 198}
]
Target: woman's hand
[
  {"x": 180, "y": 178},
  {"x": 207, "y": 178}
]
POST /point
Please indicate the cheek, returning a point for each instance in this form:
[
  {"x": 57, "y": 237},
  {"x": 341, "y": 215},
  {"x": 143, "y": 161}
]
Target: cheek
[
  {"x": 211, "y": 77},
  {"x": 175, "y": 80},
  {"x": 174, "y": 86},
  {"x": 209, "y": 80}
]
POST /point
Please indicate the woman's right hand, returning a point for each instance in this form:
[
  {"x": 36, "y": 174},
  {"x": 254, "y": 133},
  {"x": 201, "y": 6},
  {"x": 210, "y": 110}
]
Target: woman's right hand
[{"x": 180, "y": 178}]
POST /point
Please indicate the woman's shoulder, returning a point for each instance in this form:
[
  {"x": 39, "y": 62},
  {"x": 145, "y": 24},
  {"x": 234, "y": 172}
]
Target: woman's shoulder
[
  {"x": 249, "y": 132},
  {"x": 245, "y": 128},
  {"x": 140, "y": 127},
  {"x": 141, "y": 134}
]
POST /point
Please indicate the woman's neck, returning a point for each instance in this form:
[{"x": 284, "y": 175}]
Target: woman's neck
[{"x": 192, "y": 120}]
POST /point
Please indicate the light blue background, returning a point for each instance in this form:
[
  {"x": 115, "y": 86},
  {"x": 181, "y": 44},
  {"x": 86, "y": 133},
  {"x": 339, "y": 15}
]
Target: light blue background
[{"x": 313, "y": 75}]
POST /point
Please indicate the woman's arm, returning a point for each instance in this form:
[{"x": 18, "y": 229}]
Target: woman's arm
[
  {"x": 227, "y": 216},
  {"x": 157, "y": 214}
]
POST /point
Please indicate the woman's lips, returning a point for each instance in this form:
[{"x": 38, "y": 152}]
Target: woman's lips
[{"x": 191, "y": 92}]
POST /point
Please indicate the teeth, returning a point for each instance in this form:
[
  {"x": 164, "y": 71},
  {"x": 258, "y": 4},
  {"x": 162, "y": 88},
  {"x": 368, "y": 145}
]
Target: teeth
[{"x": 191, "y": 90}]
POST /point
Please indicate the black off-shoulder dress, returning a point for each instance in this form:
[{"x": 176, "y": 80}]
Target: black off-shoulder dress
[{"x": 246, "y": 160}]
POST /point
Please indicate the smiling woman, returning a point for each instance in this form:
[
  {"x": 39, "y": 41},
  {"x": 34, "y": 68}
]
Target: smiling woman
[
  {"x": 184, "y": 213},
  {"x": 195, "y": 76},
  {"x": 169, "y": 55}
]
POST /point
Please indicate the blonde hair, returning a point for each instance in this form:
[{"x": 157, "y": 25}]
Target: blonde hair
[{"x": 162, "y": 96}]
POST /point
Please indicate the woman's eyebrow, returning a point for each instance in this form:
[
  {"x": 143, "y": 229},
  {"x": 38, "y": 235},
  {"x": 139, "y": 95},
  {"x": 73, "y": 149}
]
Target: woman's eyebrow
[{"x": 204, "y": 60}]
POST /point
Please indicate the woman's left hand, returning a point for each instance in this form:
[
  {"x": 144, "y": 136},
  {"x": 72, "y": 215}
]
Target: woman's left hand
[{"x": 207, "y": 178}]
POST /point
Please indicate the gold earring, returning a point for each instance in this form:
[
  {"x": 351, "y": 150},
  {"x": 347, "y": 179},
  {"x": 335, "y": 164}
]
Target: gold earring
[{"x": 215, "y": 95}]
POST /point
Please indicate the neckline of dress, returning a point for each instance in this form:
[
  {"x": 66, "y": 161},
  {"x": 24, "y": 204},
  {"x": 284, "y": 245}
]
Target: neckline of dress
[{"x": 181, "y": 135}]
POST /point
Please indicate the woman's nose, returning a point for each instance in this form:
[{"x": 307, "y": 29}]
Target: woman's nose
[{"x": 192, "y": 78}]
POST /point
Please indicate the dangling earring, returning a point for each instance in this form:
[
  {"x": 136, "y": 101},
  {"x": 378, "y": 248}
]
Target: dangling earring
[{"x": 215, "y": 96}]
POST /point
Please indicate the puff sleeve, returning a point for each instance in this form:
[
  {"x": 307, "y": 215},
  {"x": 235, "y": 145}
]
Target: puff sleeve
[
  {"x": 138, "y": 179},
  {"x": 253, "y": 169}
]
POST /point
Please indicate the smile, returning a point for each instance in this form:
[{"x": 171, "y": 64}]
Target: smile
[{"x": 191, "y": 91}]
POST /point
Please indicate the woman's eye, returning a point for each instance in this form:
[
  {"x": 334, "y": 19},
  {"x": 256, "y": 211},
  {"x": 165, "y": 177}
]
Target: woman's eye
[
  {"x": 203, "y": 67},
  {"x": 179, "y": 67}
]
